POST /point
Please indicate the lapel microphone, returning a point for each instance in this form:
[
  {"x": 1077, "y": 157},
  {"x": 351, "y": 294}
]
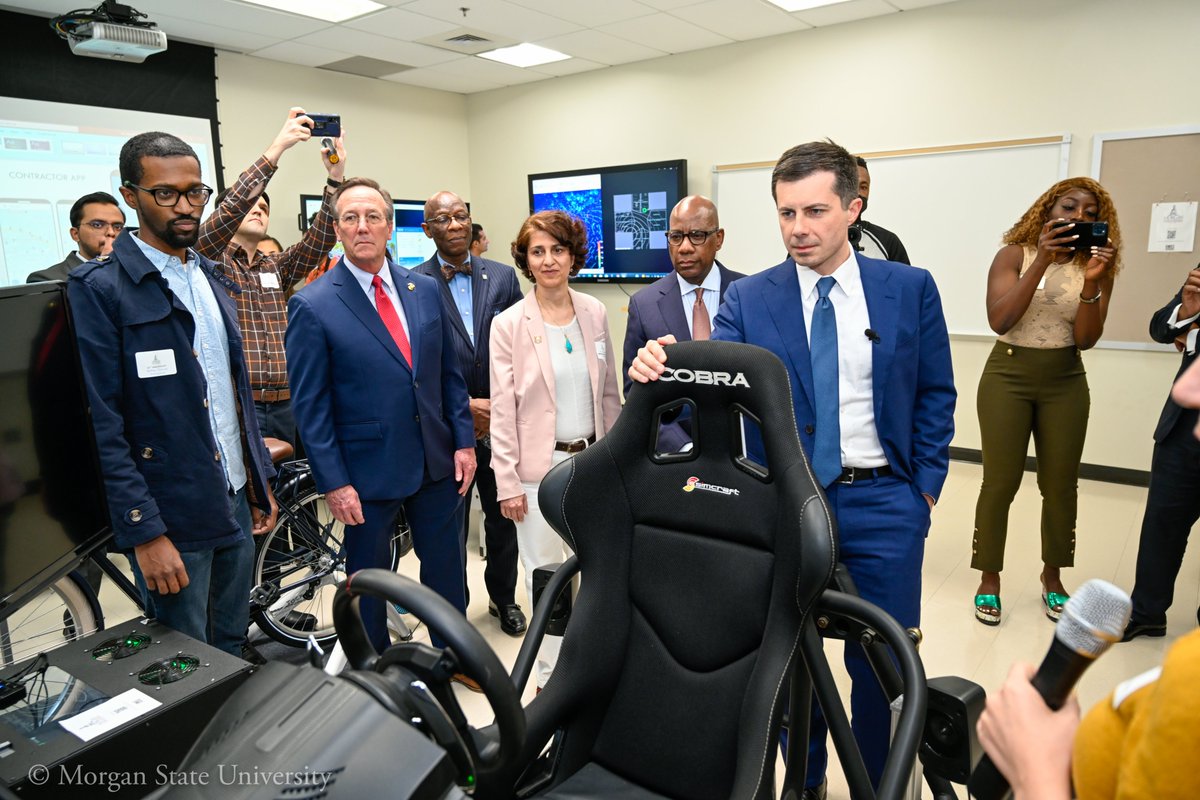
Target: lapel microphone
[{"x": 872, "y": 335}]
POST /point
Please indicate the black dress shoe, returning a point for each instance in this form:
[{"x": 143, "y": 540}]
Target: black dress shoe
[
  {"x": 512, "y": 619},
  {"x": 1136, "y": 629},
  {"x": 814, "y": 792}
]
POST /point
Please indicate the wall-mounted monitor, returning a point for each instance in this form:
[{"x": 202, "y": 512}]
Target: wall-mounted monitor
[
  {"x": 409, "y": 247},
  {"x": 625, "y": 209}
]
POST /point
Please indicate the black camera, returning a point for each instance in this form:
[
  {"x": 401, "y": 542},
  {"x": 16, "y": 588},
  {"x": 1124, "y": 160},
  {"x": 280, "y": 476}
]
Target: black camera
[{"x": 326, "y": 124}]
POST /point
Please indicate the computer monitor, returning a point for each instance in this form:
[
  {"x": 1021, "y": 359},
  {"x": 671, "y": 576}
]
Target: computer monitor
[
  {"x": 52, "y": 505},
  {"x": 626, "y": 210}
]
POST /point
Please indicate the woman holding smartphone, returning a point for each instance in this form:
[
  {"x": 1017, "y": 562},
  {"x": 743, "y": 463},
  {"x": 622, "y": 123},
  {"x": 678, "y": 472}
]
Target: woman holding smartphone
[
  {"x": 1048, "y": 292},
  {"x": 554, "y": 386}
]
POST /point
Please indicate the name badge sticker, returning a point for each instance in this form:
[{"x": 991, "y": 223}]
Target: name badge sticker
[
  {"x": 601, "y": 350},
  {"x": 155, "y": 363},
  {"x": 269, "y": 280}
]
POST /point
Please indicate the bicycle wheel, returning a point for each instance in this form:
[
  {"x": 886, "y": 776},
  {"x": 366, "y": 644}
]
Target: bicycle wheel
[
  {"x": 64, "y": 611},
  {"x": 297, "y": 568}
]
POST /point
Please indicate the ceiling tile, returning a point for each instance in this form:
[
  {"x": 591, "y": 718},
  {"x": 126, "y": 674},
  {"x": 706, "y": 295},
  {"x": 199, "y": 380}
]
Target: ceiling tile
[
  {"x": 400, "y": 24},
  {"x": 665, "y": 32},
  {"x": 739, "y": 19},
  {"x": 496, "y": 16},
  {"x": 909, "y": 5},
  {"x": 362, "y": 43},
  {"x": 569, "y": 67},
  {"x": 589, "y": 13},
  {"x": 241, "y": 41},
  {"x": 845, "y": 12},
  {"x": 489, "y": 71},
  {"x": 299, "y": 53},
  {"x": 600, "y": 47},
  {"x": 441, "y": 80},
  {"x": 668, "y": 5}
]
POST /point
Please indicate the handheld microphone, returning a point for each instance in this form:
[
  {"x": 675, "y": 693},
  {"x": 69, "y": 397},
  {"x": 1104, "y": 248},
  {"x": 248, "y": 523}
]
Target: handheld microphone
[
  {"x": 333, "y": 156},
  {"x": 1092, "y": 620},
  {"x": 872, "y": 335}
]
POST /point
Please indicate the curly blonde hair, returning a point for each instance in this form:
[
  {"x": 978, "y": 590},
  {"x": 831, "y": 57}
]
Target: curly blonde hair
[{"x": 1029, "y": 227}]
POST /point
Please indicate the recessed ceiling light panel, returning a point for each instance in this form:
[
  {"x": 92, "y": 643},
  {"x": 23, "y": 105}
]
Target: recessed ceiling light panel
[
  {"x": 328, "y": 10},
  {"x": 524, "y": 55},
  {"x": 803, "y": 5}
]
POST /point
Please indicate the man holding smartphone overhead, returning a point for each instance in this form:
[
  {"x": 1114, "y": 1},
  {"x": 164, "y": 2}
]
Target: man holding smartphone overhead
[{"x": 231, "y": 235}]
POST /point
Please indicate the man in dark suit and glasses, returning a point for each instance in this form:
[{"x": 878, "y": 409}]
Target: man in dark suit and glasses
[
  {"x": 475, "y": 289},
  {"x": 1173, "y": 503},
  {"x": 692, "y": 292},
  {"x": 96, "y": 219}
]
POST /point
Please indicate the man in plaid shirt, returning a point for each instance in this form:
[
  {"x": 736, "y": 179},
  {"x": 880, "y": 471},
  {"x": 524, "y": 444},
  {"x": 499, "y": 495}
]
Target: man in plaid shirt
[{"x": 230, "y": 236}]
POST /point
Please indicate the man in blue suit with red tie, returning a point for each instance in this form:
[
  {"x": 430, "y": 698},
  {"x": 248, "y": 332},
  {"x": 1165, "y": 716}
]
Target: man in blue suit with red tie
[
  {"x": 380, "y": 403},
  {"x": 867, "y": 351}
]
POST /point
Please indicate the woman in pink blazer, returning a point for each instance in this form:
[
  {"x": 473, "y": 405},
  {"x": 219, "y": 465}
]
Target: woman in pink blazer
[{"x": 554, "y": 385}]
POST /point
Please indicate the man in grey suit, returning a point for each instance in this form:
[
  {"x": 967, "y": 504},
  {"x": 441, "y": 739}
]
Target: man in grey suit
[
  {"x": 96, "y": 219},
  {"x": 687, "y": 298},
  {"x": 475, "y": 289}
]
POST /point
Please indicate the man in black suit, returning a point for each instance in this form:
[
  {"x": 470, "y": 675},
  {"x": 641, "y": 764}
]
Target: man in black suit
[
  {"x": 96, "y": 219},
  {"x": 669, "y": 305},
  {"x": 475, "y": 289},
  {"x": 1173, "y": 503},
  {"x": 874, "y": 241}
]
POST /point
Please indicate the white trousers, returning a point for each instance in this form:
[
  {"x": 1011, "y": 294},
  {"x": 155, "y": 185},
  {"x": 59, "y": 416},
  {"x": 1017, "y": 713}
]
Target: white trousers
[{"x": 538, "y": 545}]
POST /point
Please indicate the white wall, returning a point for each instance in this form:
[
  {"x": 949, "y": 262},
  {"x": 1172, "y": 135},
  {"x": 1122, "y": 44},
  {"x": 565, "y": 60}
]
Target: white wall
[
  {"x": 412, "y": 140},
  {"x": 974, "y": 70}
]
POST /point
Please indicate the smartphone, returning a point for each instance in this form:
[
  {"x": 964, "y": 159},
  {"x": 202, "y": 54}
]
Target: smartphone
[
  {"x": 1091, "y": 234},
  {"x": 326, "y": 125}
]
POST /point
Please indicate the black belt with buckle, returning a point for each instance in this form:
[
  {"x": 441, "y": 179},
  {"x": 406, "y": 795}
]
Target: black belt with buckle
[
  {"x": 575, "y": 445},
  {"x": 852, "y": 474}
]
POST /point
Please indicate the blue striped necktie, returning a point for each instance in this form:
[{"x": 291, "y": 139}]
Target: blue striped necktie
[{"x": 823, "y": 350}]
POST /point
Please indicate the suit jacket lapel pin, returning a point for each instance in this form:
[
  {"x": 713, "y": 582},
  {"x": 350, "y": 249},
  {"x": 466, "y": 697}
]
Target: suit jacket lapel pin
[
  {"x": 412, "y": 286},
  {"x": 484, "y": 276},
  {"x": 537, "y": 340}
]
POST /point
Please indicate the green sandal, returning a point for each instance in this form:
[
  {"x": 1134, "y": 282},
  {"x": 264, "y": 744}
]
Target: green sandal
[
  {"x": 1054, "y": 603},
  {"x": 987, "y": 608}
]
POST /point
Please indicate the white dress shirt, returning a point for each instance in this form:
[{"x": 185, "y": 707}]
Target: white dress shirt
[
  {"x": 856, "y": 413},
  {"x": 365, "y": 279},
  {"x": 711, "y": 286},
  {"x": 1189, "y": 346}
]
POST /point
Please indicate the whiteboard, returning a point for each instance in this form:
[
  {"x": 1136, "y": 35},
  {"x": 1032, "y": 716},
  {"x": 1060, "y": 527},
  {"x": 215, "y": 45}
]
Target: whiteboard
[{"x": 949, "y": 205}]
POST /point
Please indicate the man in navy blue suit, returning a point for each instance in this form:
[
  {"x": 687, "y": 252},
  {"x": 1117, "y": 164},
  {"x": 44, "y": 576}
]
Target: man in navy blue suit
[
  {"x": 475, "y": 289},
  {"x": 380, "y": 403},
  {"x": 873, "y": 397},
  {"x": 693, "y": 292}
]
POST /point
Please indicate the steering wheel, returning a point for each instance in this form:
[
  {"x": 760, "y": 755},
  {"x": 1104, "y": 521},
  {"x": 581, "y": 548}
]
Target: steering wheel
[{"x": 475, "y": 658}]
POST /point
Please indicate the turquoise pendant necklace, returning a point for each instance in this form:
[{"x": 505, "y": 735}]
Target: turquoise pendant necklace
[{"x": 567, "y": 339}]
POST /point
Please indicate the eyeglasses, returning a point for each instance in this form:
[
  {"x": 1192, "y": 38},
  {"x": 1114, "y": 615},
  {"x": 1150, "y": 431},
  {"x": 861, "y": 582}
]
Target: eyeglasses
[
  {"x": 374, "y": 219},
  {"x": 444, "y": 220},
  {"x": 168, "y": 197},
  {"x": 675, "y": 238},
  {"x": 101, "y": 225}
]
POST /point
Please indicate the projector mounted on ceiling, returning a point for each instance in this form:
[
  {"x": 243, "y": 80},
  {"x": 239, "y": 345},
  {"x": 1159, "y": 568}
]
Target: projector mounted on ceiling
[{"x": 110, "y": 30}]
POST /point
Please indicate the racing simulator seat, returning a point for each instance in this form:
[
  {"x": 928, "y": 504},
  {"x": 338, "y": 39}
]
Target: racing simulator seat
[{"x": 700, "y": 570}]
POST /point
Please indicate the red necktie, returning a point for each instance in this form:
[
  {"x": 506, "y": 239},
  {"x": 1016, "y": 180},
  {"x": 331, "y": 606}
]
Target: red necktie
[{"x": 391, "y": 320}]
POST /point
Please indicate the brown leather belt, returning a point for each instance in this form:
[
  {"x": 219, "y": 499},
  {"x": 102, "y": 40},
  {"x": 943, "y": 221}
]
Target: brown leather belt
[
  {"x": 271, "y": 395},
  {"x": 575, "y": 445}
]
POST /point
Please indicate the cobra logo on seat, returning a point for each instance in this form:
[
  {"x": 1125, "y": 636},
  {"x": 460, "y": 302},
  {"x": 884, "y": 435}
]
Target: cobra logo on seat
[{"x": 703, "y": 377}]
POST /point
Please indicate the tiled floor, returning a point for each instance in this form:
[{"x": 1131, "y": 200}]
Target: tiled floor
[{"x": 955, "y": 644}]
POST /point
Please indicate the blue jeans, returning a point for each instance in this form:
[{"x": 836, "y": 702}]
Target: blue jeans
[{"x": 214, "y": 608}]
